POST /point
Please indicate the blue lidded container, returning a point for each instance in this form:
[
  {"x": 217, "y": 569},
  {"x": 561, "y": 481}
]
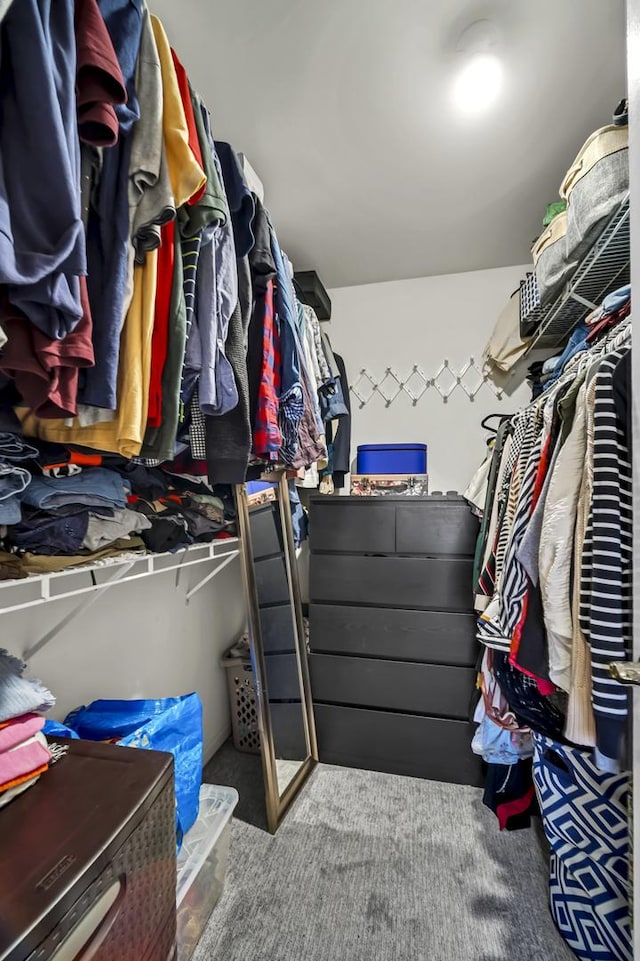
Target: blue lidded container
[{"x": 392, "y": 459}]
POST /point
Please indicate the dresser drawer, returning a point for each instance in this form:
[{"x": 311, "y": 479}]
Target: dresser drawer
[
  {"x": 441, "y": 584},
  {"x": 271, "y": 581},
  {"x": 266, "y": 533},
  {"x": 407, "y": 744},
  {"x": 283, "y": 683},
  {"x": 393, "y": 685},
  {"x": 434, "y": 637},
  {"x": 289, "y": 737},
  {"x": 276, "y": 627},
  {"x": 440, "y": 528},
  {"x": 365, "y": 527}
]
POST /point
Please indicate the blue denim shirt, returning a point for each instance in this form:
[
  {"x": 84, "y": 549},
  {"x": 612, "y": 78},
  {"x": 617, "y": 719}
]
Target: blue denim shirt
[{"x": 577, "y": 343}]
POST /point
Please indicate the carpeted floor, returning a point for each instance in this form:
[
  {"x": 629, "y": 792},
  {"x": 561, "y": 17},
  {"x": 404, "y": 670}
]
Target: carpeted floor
[
  {"x": 374, "y": 867},
  {"x": 243, "y": 772}
]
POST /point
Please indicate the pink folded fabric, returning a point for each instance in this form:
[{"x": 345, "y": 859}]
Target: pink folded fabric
[
  {"x": 22, "y": 760},
  {"x": 19, "y": 730}
]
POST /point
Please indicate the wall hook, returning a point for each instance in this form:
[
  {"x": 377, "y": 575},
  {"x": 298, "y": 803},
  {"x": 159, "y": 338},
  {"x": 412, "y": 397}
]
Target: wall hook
[{"x": 391, "y": 384}]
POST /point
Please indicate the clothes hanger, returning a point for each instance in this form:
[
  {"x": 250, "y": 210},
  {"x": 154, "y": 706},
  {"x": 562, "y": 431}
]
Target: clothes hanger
[{"x": 500, "y": 417}]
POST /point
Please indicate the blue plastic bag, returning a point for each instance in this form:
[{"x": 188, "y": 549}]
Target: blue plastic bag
[
  {"x": 172, "y": 724},
  {"x": 56, "y": 729}
]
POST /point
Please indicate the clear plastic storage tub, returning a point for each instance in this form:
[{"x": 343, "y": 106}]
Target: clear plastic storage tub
[{"x": 202, "y": 865}]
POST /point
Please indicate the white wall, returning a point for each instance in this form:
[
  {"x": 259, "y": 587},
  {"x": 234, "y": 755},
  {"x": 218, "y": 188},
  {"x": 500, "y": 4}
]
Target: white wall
[
  {"x": 139, "y": 640},
  {"x": 423, "y": 321}
]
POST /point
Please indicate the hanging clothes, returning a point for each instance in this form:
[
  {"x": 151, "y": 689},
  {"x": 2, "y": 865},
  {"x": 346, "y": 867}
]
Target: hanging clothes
[
  {"x": 107, "y": 240},
  {"x": 556, "y": 547},
  {"x": 41, "y": 260},
  {"x": 158, "y": 323},
  {"x": 341, "y": 454}
]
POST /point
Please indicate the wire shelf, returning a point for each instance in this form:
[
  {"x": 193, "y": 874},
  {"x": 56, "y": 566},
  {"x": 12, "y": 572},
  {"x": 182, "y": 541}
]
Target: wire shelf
[
  {"x": 36, "y": 589},
  {"x": 605, "y": 268}
]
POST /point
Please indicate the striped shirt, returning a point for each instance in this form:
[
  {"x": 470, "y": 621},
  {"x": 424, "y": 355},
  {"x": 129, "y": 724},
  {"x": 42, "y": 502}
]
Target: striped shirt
[
  {"x": 499, "y": 527},
  {"x": 498, "y": 623},
  {"x": 605, "y": 585}
]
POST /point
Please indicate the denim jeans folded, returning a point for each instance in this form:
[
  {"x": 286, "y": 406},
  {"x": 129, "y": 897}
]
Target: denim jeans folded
[
  {"x": 12, "y": 447},
  {"x": 96, "y": 486},
  {"x": 13, "y": 481}
]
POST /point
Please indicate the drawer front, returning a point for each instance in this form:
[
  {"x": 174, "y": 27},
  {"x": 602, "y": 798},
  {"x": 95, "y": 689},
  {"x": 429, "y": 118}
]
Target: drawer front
[
  {"x": 271, "y": 581},
  {"x": 439, "y": 528},
  {"x": 441, "y": 584},
  {"x": 266, "y": 534},
  {"x": 407, "y": 744},
  {"x": 283, "y": 683},
  {"x": 276, "y": 627},
  {"x": 433, "y": 637},
  {"x": 144, "y": 917},
  {"x": 367, "y": 528},
  {"x": 289, "y": 738},
  {"x": 393, "y": 685}
]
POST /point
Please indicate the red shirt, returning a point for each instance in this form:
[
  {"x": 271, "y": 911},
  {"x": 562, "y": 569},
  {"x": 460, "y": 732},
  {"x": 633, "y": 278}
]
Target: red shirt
[
  {"x": 46, "y": 370},
  {"x": 160, "y": 336},
  {"x": 99, "y": 80}
]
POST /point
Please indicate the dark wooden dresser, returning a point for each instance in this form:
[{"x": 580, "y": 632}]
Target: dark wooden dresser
[{"x": 392, "y": 634}]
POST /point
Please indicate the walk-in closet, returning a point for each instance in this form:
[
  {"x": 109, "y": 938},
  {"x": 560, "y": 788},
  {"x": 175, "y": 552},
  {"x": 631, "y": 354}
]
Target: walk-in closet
[{"x": 319, "y": 496}]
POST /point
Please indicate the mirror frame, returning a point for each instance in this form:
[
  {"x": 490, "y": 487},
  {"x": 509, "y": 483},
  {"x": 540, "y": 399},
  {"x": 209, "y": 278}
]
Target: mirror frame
[{"x": 277, "y": 804}]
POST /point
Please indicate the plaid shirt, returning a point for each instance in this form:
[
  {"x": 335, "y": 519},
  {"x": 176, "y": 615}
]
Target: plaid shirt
[{"x": 267, "y": 437}]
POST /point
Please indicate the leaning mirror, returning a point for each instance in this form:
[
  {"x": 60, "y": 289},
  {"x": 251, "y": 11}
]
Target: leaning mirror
[{"x": 278, "y": 644}]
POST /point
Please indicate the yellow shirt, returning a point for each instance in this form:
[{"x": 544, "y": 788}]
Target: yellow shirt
[
  {"x": 125, "y": 434},
  {"x": 185, "y": 173}
]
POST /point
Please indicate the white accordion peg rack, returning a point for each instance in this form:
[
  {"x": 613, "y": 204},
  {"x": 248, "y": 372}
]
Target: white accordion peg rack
[{"x": 470, "y": 379}]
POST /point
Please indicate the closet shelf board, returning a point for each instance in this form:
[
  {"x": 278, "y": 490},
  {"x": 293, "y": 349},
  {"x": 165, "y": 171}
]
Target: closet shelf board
[
  {"x": 605, "y": 268},
  {"x": 17, "y": 595}
]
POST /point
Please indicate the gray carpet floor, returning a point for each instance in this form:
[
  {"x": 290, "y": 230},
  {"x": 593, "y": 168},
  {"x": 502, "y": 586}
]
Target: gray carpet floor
[
  {"x": 244, "y": 773},
  {"x": 374, "y": 867}
]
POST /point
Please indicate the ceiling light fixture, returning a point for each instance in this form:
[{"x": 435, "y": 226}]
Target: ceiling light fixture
[{"x": 479, "y": 81}]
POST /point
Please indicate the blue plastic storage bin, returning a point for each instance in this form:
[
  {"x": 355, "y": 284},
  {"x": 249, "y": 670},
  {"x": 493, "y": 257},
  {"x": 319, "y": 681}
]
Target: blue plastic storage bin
[{"x": 392, "y": 459}]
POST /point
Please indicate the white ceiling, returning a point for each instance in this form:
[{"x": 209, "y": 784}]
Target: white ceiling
[{"x": 344, "y": 108}]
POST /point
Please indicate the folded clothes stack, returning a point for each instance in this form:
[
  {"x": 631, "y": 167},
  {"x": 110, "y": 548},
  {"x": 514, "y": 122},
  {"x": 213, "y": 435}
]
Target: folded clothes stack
[
  {"x": 64, "y": 508},
  {"x": 614, "y": 308},
  {"x": 24, "y": 752},
  {"x": 180, "y": 519},
  {"x": 70, "y": 520},
  {"x": 14, "y": 477}
]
